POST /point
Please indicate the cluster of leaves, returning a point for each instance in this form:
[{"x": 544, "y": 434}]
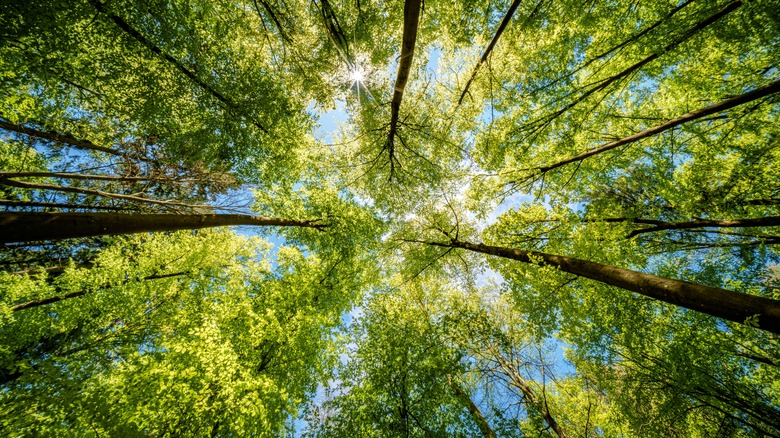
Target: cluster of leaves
[{"x": 638, "y": 138}]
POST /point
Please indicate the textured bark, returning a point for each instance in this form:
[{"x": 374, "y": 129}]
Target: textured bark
[
  {"x": 411, "y": 22},
  {"x": 499, "y": 31},
  {"x": 135, "y": 34},
  {"x": 68, "y": 189},
  {"x": 85, "y": 176},
  {"x": 61, "y": 137},
  {"x": 30, "y": 227},
  {"x": 76, "y": 294},
  {"x": 751, "y": 96},
  {"x": 463, "y": 396},
  {"x": 770, "y": 221},
  {"x": 726, "y": 304},
  {"x": 32, "y": 204}
]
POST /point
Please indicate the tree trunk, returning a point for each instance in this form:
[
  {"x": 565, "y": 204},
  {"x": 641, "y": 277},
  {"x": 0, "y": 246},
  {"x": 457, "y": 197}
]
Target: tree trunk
[
  {"x": 750, "y": 96},
  {"x": 27, "y": 227},
  {"x": 726, "y": 304},
  {"x": 519, "y": 382},
  {"x": 43, "y": 301},
  {"x": 61, "y": 137},
  {"x": 464, "y": 398},
  {"x": 411, "y": 22},
  {"x": 770, "y": 221},
  {"x": 501, "y": 27}
]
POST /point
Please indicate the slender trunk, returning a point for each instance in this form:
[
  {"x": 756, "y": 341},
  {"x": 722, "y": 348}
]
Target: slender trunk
[
  {"x": 726, "y": 304},
  {"x": 499, "y": 31},
  {"x": 135, "y": 34},
  {"x": 463, "y": 396},
  {"x": 335, "y": 32},
  {"x": 411, "y": 22},
  {"x": 52, "y": 271},
  {"x": 28, "y": 227},
  {"x": 14, "y": 203},
  {"x": 84, "y": 176},
  {"x": 519, "y": 382},
  {"x": 43, "y": 301},
  {"x": 770, "y": 221},
  {"x": 611, "y": 50},
  {"x": 750, "y": 96},
  {"x": 84, "y": 191},
  {"x": 276, "y": 21},
  {"x": 61, "y": 137},
  {"x": 604, "y": 83}
]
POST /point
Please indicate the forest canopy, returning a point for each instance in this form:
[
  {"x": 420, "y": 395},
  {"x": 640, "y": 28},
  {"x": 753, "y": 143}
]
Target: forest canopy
[{"x": 542, "y": 218}]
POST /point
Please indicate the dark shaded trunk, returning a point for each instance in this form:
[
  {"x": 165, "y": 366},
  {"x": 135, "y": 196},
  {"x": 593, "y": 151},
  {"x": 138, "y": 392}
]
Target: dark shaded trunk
[
  {"x": 499, "y": 31},
  {"x": 771, "y": 221},
  {"x": 84, "y": 191},
  {"x": 32, "y": 204},
  {"x": 30, "y": 227},
  {"x": 136, "y": 35},
  {"x": 43, "y": 301},
  {"x": 411, "y": 22},
  {"x": 751, "y": 96},
  {"x": 726, "y": 304},
  {"x": 66, "y": 138},
  {"x": 85, "y": 176},
  {"x": 464, "y": 398},
  {"x": 336, "y": 33},
  {"x": 615, "y": 79}
]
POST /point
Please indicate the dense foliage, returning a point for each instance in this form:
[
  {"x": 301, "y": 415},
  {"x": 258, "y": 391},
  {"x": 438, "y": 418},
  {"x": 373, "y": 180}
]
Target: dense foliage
[{"x": 543, "y": 218}]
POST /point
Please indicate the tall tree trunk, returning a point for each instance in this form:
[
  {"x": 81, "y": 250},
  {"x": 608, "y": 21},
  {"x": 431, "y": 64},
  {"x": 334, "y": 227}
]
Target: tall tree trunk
[
  {"x": 726, "y": 304},
  {"x": 27, "y": 227},
  {"x": 464, "y": 398},
  {"x": 769, "y": 221},
  {"x": 411, "y": 22},
  {"x": 750, "y": 96},
  {"x": 62, "y": 137},
  {"x": 501, "y": 27},
  {"x": 43, "y": 301}
]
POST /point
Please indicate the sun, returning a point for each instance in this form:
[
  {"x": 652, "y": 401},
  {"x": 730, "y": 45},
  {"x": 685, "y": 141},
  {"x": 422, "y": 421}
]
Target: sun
[{"x": 356, "y": 75}]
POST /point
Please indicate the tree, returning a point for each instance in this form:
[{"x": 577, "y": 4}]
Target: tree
[{"x": 618, "y": 162}]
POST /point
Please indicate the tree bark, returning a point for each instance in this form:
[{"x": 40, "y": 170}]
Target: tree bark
[
  {"x": 726, "y": 304},
  {"x": 68, "y": 189},
  {"x": 411, "y": 22},
  {"x": 770, "y": 221},
  {"x": 85, "y": 176},
  {"x": 44, "y": 301},
  {"x": 482, "y": 423},
  {"x": 750, "y": 96},
  {"x": 499, "y": 31},
  {"x": 29, "y": 227},
  {"x": 61, "y": 137},
  {"x": 519, "y": 382},
  {"x": 135, "y": 34}
]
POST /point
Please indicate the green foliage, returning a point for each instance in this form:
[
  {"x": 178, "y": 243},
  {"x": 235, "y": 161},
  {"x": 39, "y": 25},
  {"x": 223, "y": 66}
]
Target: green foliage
[{"x": 209, "y": 107}]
